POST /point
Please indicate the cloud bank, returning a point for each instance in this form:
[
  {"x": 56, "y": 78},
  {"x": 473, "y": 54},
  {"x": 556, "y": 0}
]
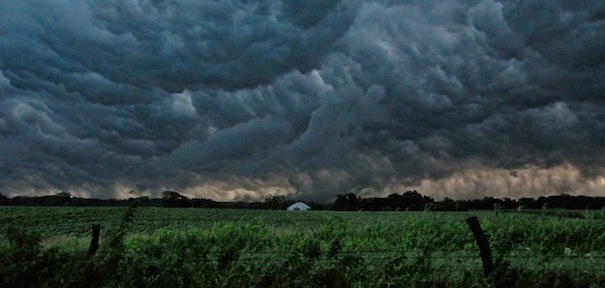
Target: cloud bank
[{"x": 244, "y": 99}]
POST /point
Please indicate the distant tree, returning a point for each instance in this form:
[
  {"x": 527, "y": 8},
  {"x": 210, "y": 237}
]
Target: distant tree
[
  {"x": 174, "y": 199},
  {"x": 63, "y": 194},
  {"x": 488, "y": 203},
  {"x": 528, "y": 203},
  {"x": 4, "y": 200},
  {"x": 204, "y": 203},
  {"x": 410, "y": 200},
  {"x": 316, "y": 206},
  {"x": 448, "y": 205},
  {"x": 348, "y": 202},
  {"x": 510, "y": 203},
  {"x": 139, "y": 201},
  {"x": 278, "y": 202},
  {"x": 62, "y": 198}
]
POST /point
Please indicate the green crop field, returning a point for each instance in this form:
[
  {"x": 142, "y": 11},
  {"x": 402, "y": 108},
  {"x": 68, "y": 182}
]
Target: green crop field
[{"x": 162, "y": 247}]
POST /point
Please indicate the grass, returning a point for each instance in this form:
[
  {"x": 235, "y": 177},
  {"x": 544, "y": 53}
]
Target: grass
[{"x": 370, "y": 249}]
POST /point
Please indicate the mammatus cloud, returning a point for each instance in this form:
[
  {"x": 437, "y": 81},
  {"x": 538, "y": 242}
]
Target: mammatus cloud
[
  {"x": 169, "y": 45},
  {"x": 240, "y": 100}
]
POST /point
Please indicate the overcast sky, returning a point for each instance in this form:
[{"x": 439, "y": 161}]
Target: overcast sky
[{"x": 239, "y": 99}]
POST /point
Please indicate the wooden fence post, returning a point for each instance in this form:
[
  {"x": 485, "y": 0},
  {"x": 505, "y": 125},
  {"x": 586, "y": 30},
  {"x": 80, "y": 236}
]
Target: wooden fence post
[
  {"x": 484, "y": 251},
  {"x": 94, "y": 242}
]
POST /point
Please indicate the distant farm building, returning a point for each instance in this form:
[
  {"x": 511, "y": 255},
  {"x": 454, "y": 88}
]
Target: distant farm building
[{"x": 299, "y": 206}]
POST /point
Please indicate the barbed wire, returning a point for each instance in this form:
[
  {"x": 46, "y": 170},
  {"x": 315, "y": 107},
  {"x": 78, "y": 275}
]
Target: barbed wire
[
  {"x": 445, "y": 254},
  {"x": 433, "y": 266}
]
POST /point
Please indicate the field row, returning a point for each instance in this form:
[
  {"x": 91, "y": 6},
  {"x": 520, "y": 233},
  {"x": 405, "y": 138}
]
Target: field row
[
  {"x": 365, "y": 231},
  {"x": 214, "y": 248}
]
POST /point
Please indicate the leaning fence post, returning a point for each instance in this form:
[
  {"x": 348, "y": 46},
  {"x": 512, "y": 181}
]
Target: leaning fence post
[
  {"x": 485, "y": 252},
  {"x": 94, "y": 242}
]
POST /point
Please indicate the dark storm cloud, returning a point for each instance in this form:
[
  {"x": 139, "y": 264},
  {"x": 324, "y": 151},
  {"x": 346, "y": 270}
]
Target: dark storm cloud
[
  {"x": 230, "y": 99},
  {"x": 172, "y": 45},
  {"x": 250, "y": 141}
]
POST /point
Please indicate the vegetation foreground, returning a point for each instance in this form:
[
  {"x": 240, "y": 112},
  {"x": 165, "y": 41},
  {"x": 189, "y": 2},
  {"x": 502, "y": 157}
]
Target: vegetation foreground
[{"x": 162, "y": 247}]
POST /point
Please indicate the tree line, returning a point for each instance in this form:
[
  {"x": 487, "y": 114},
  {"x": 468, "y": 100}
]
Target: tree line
[{"x": 406, "y": 201}]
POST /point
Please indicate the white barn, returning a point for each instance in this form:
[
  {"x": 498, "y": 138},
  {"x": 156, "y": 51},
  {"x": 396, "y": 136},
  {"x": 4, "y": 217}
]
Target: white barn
[{"x": 298, "y": 206}]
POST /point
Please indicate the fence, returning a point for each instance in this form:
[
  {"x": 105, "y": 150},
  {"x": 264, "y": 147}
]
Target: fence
[{"x": 484, "y": 254}]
